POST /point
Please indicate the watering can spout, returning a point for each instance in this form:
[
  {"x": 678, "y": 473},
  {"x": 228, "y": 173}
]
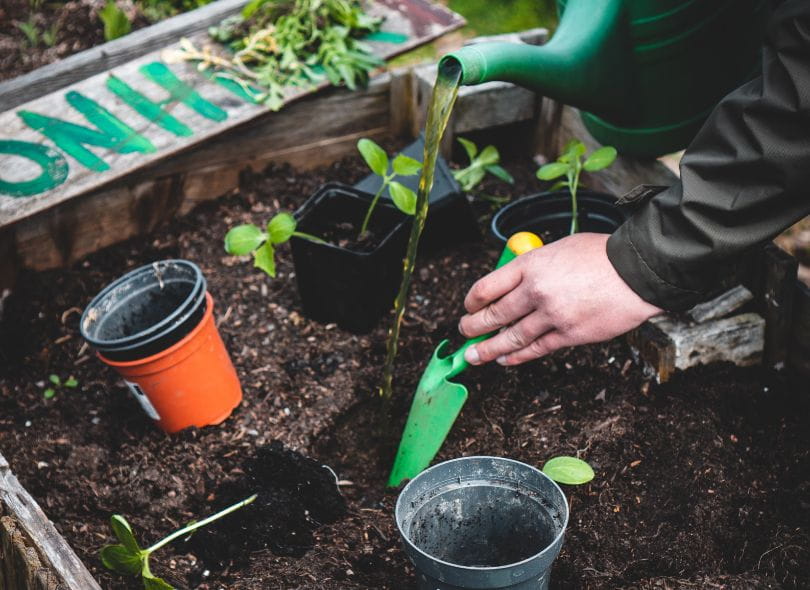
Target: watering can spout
[{"x": 582, "y": 65}]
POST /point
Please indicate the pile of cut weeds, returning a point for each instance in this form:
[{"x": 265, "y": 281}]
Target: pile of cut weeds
[{"x": 701, "y": 483}]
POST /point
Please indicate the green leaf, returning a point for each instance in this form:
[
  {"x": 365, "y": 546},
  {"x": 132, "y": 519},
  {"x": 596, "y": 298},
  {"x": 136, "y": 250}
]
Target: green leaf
[
  {"x": 599, "y": 159},
  {"x": 469, "y": 177},
  {"x": 501, "y": 173},
  {"x": 469, "y": 147},
  {"x": 120, "y": 559},
  {"x": 55, "y": 379},
  {"x": 403, "y": 197},
  {"x": 123, "y": 532},
  {"x": 152, "y": 583},
  {"x": 243, "y": 239},
  {"x": 251, "y": 7},
  {"x": 71, "y": 382},
  {"x": 281, "y": 228},
  {"x": 568, "y": 470},
  {"x": 264, "y": 258},
  {"x": 574, "y": 147},
  {"x": 116, "y": 23},
  {"x": 488, "y": 156},
  {"x": 374, "y": 156},
  {"x": 49, "y": 393},
  {"x": 405, "y": 166},
  {"x": 552, "y": 171},
  {"x": 558, "y": 185}
]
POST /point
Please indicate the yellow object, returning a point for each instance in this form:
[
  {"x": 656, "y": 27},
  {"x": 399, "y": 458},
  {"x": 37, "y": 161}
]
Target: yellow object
[{"x": 522, "y": 242}]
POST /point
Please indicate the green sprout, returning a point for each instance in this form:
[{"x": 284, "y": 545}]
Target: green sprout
[
  {"x": 568, "y": 470},
  {"x": 116, "y": 22},
  {"x": 480, "y": 163},
  {"x": 127, "y": 557},
  {"x": 570, "y": 165},
  {"x": 30, "y": 30},
  {"x": 377, "y": 160},
  {"x": 250, "y": 239},
  {"x": 57, "y": 384}
]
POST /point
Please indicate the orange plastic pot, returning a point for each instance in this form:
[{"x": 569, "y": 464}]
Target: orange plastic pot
[{"x": 191, "y": 383}]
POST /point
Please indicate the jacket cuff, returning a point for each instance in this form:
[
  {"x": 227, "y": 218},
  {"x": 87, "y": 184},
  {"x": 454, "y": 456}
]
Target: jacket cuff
[{"x": 627, "y": 256}]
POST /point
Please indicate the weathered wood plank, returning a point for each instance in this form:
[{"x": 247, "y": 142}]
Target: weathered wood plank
[
  {"x": 187, "y": 119},
  {"x": 306, "y": 134},
  {"x": 722, "y": 305},
  {"x": 667, "y": 344},
  {"x": 101, "y": 58},
  {"x": 26, "y": 523}
]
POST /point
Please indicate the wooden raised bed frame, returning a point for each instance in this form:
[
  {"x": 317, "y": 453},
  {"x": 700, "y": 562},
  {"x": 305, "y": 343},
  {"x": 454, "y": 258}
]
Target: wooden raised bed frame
[{"x": 312, "y": 132}]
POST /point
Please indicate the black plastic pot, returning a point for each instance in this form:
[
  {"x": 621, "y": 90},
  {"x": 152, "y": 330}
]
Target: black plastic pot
[
  {"x": 450, "y": 219},
  {"x": 145, "y": 311},
  {"x": 342, "y": 286},
  {"x": 482, "y": 522},
  {"x": 550, "y": 214}
]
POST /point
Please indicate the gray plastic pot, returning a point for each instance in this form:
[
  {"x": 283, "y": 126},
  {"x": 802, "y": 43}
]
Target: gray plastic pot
[{"x": 482, "y": 522}]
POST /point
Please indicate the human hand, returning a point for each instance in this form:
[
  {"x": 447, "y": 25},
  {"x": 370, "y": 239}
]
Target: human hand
[{"x": 563, "y": 294}]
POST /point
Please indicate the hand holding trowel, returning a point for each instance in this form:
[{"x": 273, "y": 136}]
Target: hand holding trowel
[{"x": 438, "y": 401}]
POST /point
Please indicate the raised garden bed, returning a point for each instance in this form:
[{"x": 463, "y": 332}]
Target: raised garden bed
[{"x": 700, "y": 482}]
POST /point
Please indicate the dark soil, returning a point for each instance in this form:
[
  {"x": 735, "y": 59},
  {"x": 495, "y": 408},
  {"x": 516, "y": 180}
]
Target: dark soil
[
  {"x": 701, "y": 483},
  {"x": 60, "y": 28}
]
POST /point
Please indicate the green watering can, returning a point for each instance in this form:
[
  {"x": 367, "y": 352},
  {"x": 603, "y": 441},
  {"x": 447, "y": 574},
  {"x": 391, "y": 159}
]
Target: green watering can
[{"x": 645, "y": 73}]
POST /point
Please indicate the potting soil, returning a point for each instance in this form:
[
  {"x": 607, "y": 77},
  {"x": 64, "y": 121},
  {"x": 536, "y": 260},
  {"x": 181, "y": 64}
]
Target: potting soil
[{"x": 700, "y": 483}]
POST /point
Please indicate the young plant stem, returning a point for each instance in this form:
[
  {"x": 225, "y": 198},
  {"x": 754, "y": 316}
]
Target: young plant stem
[
  {"x": 376, "y": 198},
  {"x": 310, "y": 237},
  {"x": 574, "y": 183},
  {"x": 193, "y": 527}
]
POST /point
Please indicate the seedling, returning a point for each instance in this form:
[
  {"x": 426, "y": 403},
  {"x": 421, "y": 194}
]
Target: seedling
[
  {"x": 568, "y": 470},
  {"x": 250, "y": 239},
  {"x": 116, "y": 22},
  {"x": 480, "y": 163},
  {"x": 570, "y": 165},
  {"x": 377, "y": 160},
  {"x": 56, "y": 384},
  {"x": 30, "y": 30},
  {"x": 127, "y": 557}
]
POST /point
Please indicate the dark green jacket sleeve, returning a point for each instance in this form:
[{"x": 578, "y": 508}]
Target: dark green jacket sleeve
[{"x": 744, "y": 179}]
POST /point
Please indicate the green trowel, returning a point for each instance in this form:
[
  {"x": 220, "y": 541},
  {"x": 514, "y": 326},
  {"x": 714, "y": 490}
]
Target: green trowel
[{"x": 438, "y": 400}]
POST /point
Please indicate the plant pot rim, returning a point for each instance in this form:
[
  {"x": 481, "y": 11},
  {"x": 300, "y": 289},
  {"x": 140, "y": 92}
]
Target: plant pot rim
[
  {"x": 179, "y": 313},
  {"x": 472, "y": 568},
  {"x": 355, "y": 193},
  {"x": 600, "y": 197}
]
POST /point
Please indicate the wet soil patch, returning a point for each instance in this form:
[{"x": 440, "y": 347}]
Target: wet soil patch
[{"x": 701, "y": 483}]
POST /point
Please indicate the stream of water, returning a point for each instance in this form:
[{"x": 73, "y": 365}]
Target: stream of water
[{"x": 445, "y": 92}]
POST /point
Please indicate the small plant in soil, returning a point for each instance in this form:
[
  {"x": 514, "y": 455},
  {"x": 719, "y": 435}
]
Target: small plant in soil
[
  {"x": 127, "y": 557},
  {"x": 570, "y": 164},
  {"x": 57, "y": 384},
  {"x": 250, "y": 239},
  {"x": 487, "y": 161},
  {"x": 377, "y": 160},
  {"x": 568, "y": 470},
  {"x": 116, "y": 22}
]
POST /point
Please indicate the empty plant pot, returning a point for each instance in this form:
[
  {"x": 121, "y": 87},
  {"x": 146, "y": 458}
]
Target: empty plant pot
[
  {"x": 482, "y": 522},
  {"x": 350, "y": 286},
  {"x": 155, "y": 326},
  {"x": 549, "y": 215},
  {"x": 146, "y": 310}
]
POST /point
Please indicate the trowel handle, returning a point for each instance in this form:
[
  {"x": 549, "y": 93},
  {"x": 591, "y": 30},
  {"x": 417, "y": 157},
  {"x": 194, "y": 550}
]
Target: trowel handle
[{"x": 518, "y": 244}]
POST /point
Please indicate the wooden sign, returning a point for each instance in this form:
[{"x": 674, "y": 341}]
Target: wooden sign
[{"x": 81, "y": 137}]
